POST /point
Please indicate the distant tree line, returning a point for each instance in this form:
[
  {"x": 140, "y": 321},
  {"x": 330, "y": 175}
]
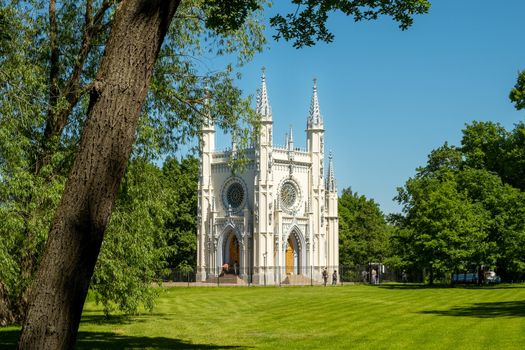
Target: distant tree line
[{"x": 463, "y": 211}]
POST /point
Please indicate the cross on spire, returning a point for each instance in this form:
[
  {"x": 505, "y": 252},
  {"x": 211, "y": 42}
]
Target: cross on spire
[
  {"x": 315, "y": 119},
  {"x": 263, "y": 104}
]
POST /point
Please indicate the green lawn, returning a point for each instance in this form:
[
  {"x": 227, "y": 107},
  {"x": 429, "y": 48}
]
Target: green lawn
[{"x": 349, "y": 317}]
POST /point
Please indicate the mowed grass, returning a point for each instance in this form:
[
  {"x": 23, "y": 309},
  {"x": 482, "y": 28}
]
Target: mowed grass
[{"x": 342, "y": 317}]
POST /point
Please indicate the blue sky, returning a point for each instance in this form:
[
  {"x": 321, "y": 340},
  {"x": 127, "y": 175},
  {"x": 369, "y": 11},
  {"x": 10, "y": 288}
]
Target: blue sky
[{"x": 388, "y": 97}]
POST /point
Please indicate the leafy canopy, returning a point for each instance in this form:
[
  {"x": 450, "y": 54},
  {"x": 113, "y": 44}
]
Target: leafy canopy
[
  {"x": 465, "y": 208},
  {"x": 363, "y": 232},
  {"x": 308, "y": 23}
]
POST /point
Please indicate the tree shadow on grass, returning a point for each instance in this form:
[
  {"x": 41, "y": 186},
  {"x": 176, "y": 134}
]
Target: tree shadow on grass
[
  {"x": 9, "y": 339},
  {"x": 485, "y": 310},
  {"x": 111, "y": 341},
  {"x": 405, "y": 286},
  {"x": 408, "y": 286},
  {"x": 118, "y": 319}
]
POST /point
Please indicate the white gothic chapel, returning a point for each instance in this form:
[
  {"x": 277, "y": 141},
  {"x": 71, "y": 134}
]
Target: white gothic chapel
[{"x": 277, "y": 219}]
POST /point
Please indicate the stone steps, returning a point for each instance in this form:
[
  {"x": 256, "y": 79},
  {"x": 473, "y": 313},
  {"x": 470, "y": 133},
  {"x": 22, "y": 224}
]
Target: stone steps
[
  {"x": 297, "y": 280},
  {"x": 227, "y": 279}
]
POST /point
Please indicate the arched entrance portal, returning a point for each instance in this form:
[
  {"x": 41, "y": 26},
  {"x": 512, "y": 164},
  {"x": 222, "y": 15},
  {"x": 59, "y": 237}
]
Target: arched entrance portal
[
  {"x": 292, "y": 255},
  {"x": 234, "y": 251},
  {"x": 231, "y": 253},
  {"x": 289, "y": 257}
]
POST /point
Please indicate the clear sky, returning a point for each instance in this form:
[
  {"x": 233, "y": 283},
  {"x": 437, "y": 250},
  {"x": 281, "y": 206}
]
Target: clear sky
[{"x": 388, "y": 97}]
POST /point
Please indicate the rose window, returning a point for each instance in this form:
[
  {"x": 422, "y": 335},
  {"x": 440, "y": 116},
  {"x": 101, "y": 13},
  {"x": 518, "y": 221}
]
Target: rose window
[
  {"x": 288, "y": 195},
  {"x": 235, "y": 195}
]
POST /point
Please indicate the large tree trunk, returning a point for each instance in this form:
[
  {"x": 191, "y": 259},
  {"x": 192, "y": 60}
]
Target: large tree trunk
[{"x": 60, "y": 287}]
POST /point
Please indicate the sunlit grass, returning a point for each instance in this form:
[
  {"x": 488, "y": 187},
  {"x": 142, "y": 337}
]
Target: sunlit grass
[{"x": 349, "y": 317}]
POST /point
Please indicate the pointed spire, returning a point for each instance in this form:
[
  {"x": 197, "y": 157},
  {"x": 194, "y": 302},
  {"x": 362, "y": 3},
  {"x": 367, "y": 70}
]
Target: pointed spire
[
  {"x": 315, "y": 119},
  {"x": 330, "y": 179},
  {"x": 263, "y": 104},
  {"x": 290, "y": 139}
]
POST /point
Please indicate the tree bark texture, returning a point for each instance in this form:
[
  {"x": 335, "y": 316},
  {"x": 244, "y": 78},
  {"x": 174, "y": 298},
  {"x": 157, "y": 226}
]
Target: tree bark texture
[{"x": 61, "y": 284}]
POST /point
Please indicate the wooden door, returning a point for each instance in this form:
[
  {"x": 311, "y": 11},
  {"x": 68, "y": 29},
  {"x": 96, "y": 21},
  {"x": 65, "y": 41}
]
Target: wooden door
[
  {"x": 234, "y": 251},
  {"x": 289, "y": 257}
]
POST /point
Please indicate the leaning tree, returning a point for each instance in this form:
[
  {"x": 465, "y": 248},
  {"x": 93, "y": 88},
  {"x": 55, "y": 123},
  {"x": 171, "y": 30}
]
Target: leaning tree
[{"x": 116, "y": 97}]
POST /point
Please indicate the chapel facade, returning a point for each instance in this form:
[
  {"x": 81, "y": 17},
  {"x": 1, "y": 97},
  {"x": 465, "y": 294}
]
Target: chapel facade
[{"x": 278, "y": 218}]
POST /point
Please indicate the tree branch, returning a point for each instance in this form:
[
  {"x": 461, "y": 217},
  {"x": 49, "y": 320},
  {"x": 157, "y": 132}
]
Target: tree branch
[
  {"x": 57, "y": 119},
  {"x": 53, "y": 59}
]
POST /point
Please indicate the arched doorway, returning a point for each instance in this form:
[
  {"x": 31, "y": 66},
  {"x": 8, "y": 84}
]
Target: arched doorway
[
  {"x": 231, "y": 253},
  {"x": 290, "y": 257},
  {"x": 293, "y": 254},
  {"x": 234, "y": 250}
]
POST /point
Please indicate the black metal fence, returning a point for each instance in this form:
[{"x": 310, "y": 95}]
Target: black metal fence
[{"x": 298, "y": 276}]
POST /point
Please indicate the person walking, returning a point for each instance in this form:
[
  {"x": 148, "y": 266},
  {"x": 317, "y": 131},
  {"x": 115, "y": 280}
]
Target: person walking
[
  {"x": 334, "y": 278},
  {"x": 325, "y": 276},
  {"x": 364, "y": 276}
]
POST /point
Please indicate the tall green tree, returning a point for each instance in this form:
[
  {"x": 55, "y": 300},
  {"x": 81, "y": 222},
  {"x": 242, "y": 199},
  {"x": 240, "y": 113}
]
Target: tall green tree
[
  {"x": 446, "y": 231},
  {"x": 465, "y": 209},
  {"x": 152, "y": 229},
  {"x": 505, "y": 208},
  {"x": 487, "y": 145},
  {"x": 363, "y": 231},
  {"x": 135, "y": 248},
  {"x": 181, "y": 226}
]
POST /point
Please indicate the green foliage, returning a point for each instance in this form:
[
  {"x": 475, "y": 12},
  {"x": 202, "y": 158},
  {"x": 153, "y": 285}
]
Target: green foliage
[
  {"x": 226, "y": 15},
  {"x": 153, "y": 228},
  {"x": 307, "y": 24},
  {"x": 489, "y": 146},
  {"x": 27, "y": 200},
  {"x": 134, "y": 246},
  {"x": 183, "y": 92},
  {"x": 34, "y": 162},
  {"x": 363, "y": 232},
  {"x": 465, "y": 208},
  {"x": 517, "y": 94},
  {"x": 181, "y": 226},
  {"x": 506, "y": 227},
  {"x": 447, "y": 231}
]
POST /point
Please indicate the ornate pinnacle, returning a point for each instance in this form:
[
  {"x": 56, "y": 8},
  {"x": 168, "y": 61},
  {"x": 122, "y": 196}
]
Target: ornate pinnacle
[
  {"x": 315, "y": 119},
  {"x": 290, "y": 139},
  {"x": 263, "y": 104},
  {"x": 330, "y": 179}
]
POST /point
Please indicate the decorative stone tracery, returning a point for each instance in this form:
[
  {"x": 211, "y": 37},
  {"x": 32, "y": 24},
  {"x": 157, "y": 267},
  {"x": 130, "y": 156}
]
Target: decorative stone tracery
[{"x": 278, "y": 211}]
